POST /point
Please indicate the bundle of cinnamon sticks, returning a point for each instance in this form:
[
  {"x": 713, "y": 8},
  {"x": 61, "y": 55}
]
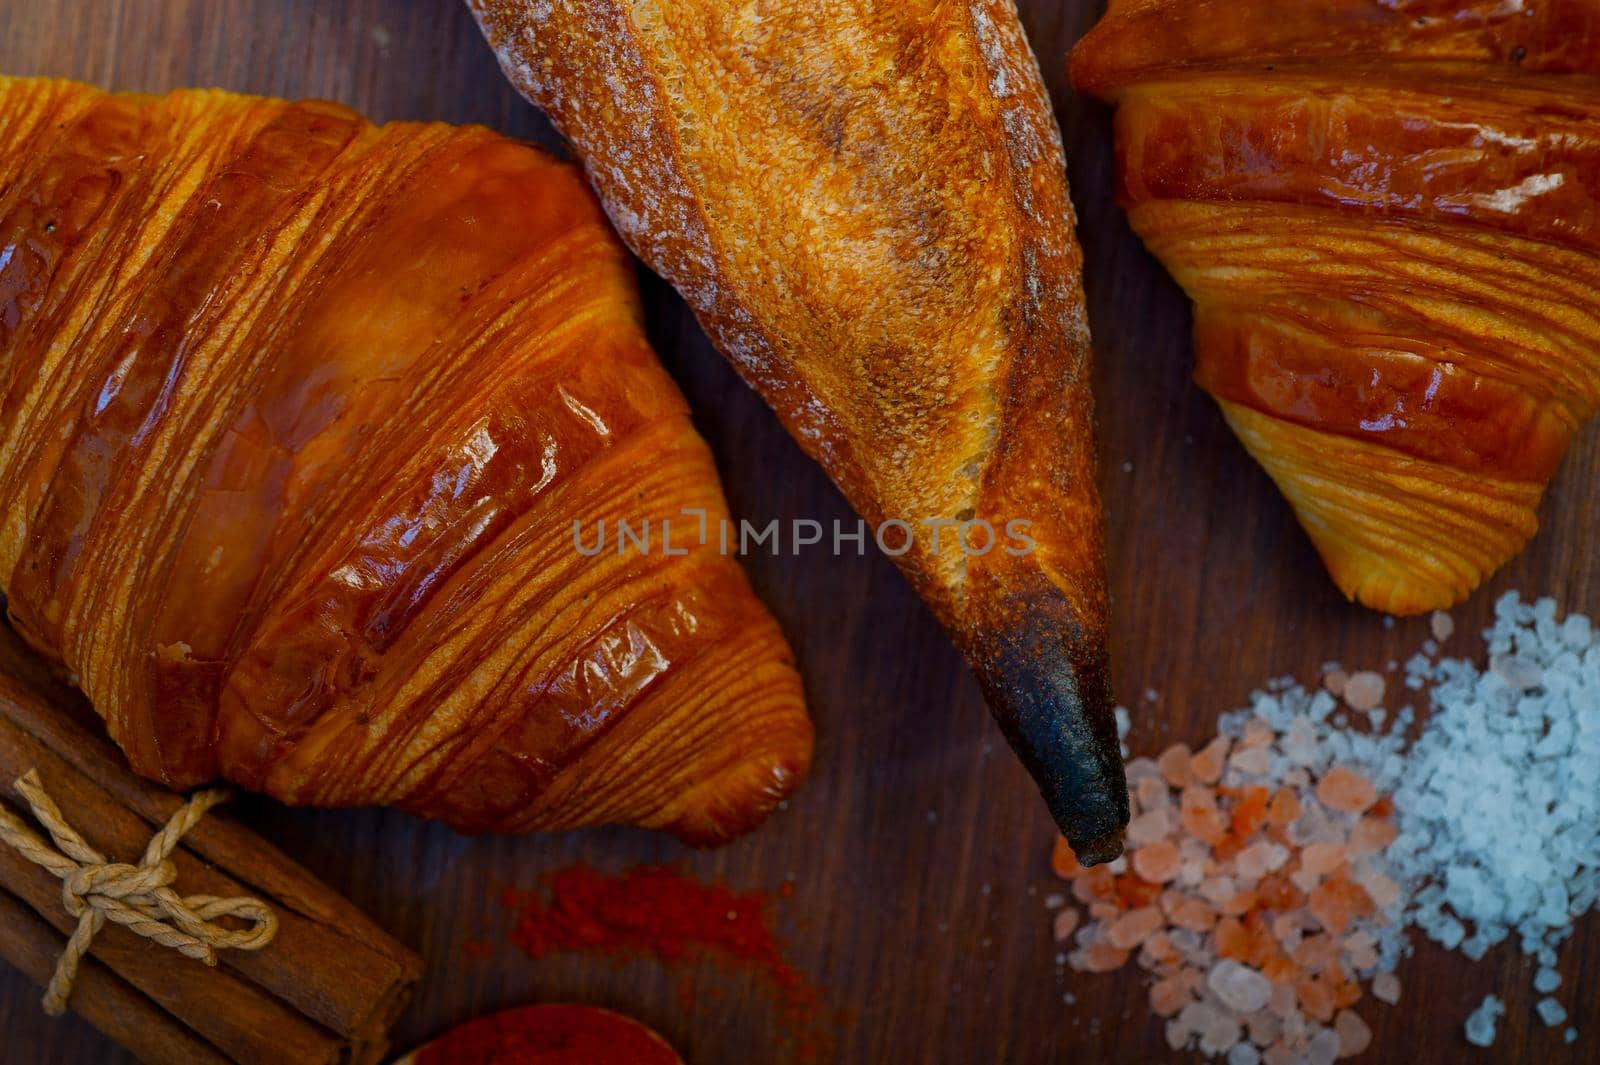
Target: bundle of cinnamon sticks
[{"x": 325, "y": 990}]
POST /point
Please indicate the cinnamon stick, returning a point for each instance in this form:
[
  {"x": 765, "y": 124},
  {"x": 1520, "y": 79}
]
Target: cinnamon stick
[
  {"x": 99, "y": 996},
  {"x": 235, "y": 1016},
  {"x": 326, "y": 989}
]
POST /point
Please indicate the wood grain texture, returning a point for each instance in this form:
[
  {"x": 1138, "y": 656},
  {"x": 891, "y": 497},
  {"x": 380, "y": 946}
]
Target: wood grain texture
[{"x": 919, "y": 847}]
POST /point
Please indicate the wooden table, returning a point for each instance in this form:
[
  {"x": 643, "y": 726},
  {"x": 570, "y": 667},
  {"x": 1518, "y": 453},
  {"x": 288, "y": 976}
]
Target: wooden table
[{"x": 918, "y": 848}]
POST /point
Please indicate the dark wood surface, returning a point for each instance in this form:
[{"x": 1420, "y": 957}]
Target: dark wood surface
[{"x": 918, "y": 848}]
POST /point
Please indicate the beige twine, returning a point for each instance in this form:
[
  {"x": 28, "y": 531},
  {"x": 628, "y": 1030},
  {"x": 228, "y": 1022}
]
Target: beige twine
[{"x": 138, "y": 897}]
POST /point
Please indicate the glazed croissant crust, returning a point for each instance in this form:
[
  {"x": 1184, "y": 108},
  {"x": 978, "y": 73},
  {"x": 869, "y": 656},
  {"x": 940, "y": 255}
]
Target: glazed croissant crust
[
  {"x": 299, "y": 415},
  {"x": 1388, "y": 217}
]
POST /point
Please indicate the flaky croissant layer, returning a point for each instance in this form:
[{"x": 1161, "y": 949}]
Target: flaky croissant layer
[
  {"x": 299, "y": 415},
  {"x": 1388, "y": 217}
]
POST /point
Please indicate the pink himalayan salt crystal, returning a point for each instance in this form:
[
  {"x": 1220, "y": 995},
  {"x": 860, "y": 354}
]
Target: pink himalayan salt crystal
[
  {"x": 1141, "y": 767},
  {"x": 1157, "y": 863},
  {"x": 1354, "y": 1035},
  {"x": 1265, "y": 1028},
  {"x": 1255, "y": 761},
  {"x": 1379, "y": 887},
  {"x": 1329, "y": 905},
  {"x": 1191, "y": 978},
  {"x": 1360, "y": 950},
  {"x": 1207, "y": 765},
  {"x": 1240, "y": 903},
  {"x": 1152, "y": 793},
  {"x": 1158, "y": 948},
  {"x": 1150, "y": 828},
  {"x": 1443, "y": 625},
  {"x": 1193, "y": 914},
  {"x": 1174, "y": 765},
  {"x": 1217, "y": 890},
  {"x": 1324, "y": 1047},
  {"x": 1259, "y": 859},
  {"x": 1322, "y": 858},
  {"x": 1066, "y": 923},
  {"x": 1097, "y": 958},
  {"x": 1103, "y": 911},
  {"x": 1169, "y": 996},
  {"x": 1279, "y": 1053},
  {"x": 1198, "y": 797},
  {"x": 1386, "y": 987},
  {"x": 1257, "y": 734},
  {"x": 1345, "y": 789},
  {"x": 1364, "y": 691},
  {"x": 1134, "y": 927},
  {"x": 1221, "y": 1035},
  {"x": 1286, "y": 925},
  {"x": 1371, "y": 835},
  {"x": 1316, "y": 953},
  {"x": 1335, "y": 680}
]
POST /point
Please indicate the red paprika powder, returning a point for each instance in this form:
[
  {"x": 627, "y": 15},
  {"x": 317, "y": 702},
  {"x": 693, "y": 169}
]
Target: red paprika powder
[
  {"x": 658, "y": 911},
  {"x": 549, "y": 1035}
]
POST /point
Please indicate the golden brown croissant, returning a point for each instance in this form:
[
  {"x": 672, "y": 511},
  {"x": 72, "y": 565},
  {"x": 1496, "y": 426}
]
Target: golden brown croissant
[
  {"x": 299, "y": 416},
  {"x": 1387, "y": 213},
  {"x": 865, "y": 204}
]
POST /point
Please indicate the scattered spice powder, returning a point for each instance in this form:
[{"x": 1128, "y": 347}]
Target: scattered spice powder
[{"x": 659, "y": 911}]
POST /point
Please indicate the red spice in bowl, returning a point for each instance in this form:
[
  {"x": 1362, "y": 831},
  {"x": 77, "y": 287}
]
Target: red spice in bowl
[{"x": 549, "y": 1035}]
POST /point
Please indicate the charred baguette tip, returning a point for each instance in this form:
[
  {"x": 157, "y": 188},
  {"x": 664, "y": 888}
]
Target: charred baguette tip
[
  {"x": 1099, "y": 850},
  {"x": 1049, "y": 689}
]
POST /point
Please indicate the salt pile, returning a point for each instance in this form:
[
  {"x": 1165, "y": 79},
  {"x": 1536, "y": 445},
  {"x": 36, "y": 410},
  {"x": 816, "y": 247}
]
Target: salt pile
[
  {"x": 1501, "y": 799},
  {"x": 1271, "y": 876}
]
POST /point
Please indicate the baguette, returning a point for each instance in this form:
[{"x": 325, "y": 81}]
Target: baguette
[{"x": 865, "y": 204}]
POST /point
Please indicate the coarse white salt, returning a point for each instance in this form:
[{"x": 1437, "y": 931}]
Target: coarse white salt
[
  {"x": 1499, "y": 809},
  {"x": 1480, "y": 1025},
  {"x": 1551, "y": 1012}
]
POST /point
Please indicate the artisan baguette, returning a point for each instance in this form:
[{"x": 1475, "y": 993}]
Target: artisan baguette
[{"x": 865, "y": 203}]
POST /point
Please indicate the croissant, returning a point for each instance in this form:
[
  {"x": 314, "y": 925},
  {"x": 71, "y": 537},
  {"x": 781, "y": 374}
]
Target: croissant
[
  {"x": 299, "y": 415},
  {"x": 866, "y": 206},
  {"x": 1388, "y": 217}
]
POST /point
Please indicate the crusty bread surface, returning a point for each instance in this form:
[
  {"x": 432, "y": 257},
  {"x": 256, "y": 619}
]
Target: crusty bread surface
[{"x": 865, "y": 203}]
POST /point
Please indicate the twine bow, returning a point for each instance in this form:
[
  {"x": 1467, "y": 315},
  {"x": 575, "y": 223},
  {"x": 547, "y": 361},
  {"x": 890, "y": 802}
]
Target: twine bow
[{"x": 138, "y": 897}]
